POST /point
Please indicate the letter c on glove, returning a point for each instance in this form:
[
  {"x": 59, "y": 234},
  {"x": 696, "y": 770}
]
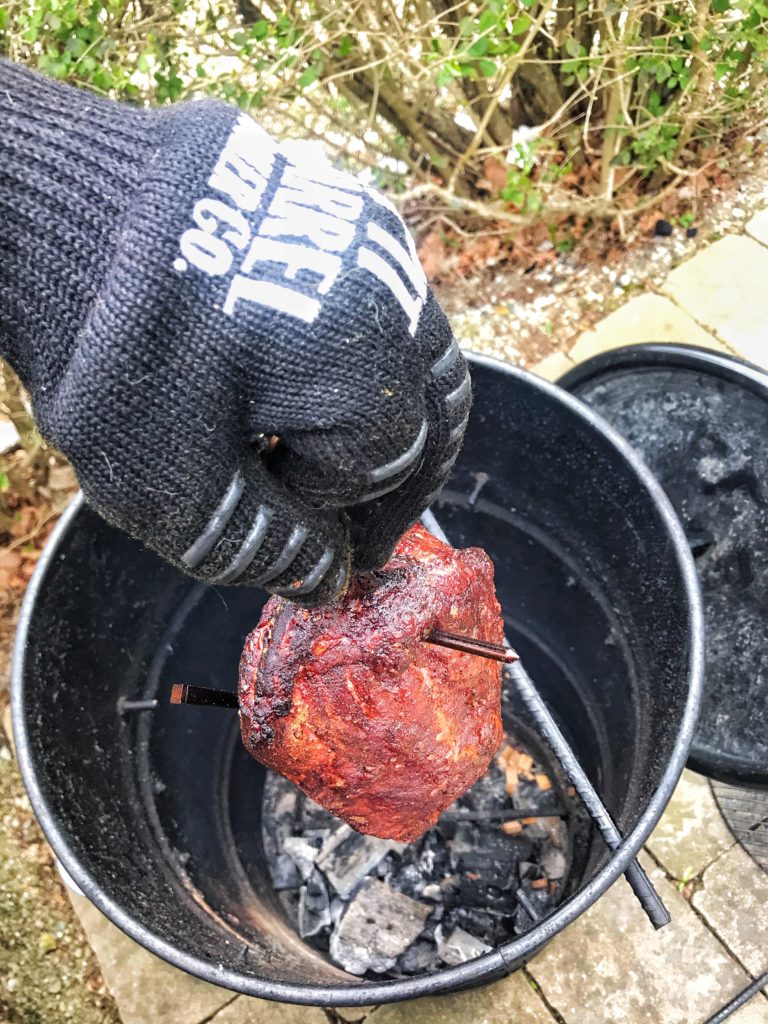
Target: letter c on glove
[{"x": 207, "y": 252}]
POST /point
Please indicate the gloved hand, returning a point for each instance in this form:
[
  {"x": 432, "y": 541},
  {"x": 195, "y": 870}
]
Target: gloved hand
[{"x": 180, "y": 289}]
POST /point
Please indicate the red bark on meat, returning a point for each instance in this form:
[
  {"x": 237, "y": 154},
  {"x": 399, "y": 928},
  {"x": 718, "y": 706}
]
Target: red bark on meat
[{"x": 349, "y": 703}]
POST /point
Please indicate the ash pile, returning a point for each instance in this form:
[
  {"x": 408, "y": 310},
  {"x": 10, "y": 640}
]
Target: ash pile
[{"x": 494, "y": 865}]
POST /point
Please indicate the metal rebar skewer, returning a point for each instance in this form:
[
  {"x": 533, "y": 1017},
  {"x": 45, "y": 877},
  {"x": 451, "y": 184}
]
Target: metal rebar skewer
[
  {"x": 641, "y": 885},
  {"x": 739, "y": 1000},
  {"x": 202, "y": 696},
  {"x": 548, "y": 727}
]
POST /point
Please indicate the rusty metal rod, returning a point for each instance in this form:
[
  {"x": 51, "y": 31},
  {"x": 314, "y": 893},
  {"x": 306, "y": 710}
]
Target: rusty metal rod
[
  {"x": 471, "y": 645},
  {"x": 202, "y": 696}
]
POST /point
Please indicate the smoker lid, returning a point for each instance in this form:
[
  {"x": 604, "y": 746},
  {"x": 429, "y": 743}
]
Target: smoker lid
[{"x": 700, "y": 421}]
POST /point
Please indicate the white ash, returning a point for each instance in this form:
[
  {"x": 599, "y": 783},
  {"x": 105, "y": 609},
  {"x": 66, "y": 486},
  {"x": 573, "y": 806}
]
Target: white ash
[
  {"x": 459, "y": 946},
  {"x": 347, "y": 857},
  {"x": 303, "y": 854},
  {"x": 379, "y": 924}
]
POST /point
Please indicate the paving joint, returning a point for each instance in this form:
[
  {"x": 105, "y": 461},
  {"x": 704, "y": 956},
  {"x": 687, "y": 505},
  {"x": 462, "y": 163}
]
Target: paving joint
[
  {"x": 539, "y": 990},
  {"x": 701, "y": 917},
  {"x": 657, "y": 290},
  {"x": 219, "y": 1009}
]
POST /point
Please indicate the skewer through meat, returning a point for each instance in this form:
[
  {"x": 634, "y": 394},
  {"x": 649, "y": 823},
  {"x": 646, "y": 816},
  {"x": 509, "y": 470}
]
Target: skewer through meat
[{"x": 349, "y": 703}]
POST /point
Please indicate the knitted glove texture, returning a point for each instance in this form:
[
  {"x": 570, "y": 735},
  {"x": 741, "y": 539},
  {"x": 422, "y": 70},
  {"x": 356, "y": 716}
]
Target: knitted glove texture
[{"x": 177, "y": 290}]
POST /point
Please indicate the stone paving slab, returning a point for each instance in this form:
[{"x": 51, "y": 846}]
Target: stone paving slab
[
  {"x": 244, "y": 1010},
  {"x": 509, "y": 1001},
  {"x": 691, "y": 833},
  {"x": 646, "y": 318},
  {"x": 734, "y": 902},
  {"x": 723, "y": 288},
  {"x": 758, "y": 227},
  {"x": 611, "y": 967},
  {"x": 553, "y": 366},
  {"x": 146, "y": 989}
]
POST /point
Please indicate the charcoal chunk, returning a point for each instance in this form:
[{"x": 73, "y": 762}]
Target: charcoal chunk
[
  {"x": 378, "y": 926},
  {"x": 314, "y": 906}
]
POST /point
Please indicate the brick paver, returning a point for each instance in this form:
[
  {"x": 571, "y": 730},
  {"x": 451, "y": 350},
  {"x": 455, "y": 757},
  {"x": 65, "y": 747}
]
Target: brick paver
[{"x": 758, "y": 227}]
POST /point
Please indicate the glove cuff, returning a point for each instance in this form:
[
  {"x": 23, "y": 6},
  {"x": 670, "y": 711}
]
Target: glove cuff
[{"x": 69, "y": 163}]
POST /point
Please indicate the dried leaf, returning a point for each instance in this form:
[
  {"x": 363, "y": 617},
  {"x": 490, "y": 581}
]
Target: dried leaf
[{"x": 435, "y": 257}]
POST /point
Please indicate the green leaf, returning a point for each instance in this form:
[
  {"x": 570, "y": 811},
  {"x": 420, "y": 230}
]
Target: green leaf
[
  {"x": 260, "y": 29},
  {"x": 572, "y": 47},
  {"x": 487, "y": 20},
  {"x": 487, "y": 68},
  {"x": 466, "y": 26},
  {"x": 720, "y": 6},
  {"x": 308, "y": 76},
  {"x": 479, "y": 48},
  {"x": 520, "y": 25},
  {"x": 5, "y": 483},
  {"x": 446, "y": 74},
  {"x": 345, "y": 46}
]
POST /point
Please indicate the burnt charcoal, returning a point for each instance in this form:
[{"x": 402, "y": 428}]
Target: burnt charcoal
[
  {"x": 338, "y": 906},
  {"x": 303, "y": 853},
  {"x": 534, "y": 904},
  {"x": 378, "y": 926},
  {"x": 313, "y": 816},
  {"x": 487, "y": 856},
  {"x": 347, "y": 857},
  {"x": 488, "y": 793},
  {"x": 408, "y": 879},
  {"x": 314, "y": 906},
  {"x": 285, "y": 874},
  {"x": 418, "y": 958},
  {"x": 447, "y": 827},
  {"x": 663, "y": 228}
]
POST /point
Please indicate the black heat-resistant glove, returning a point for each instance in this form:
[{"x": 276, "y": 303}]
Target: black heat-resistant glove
[{"x": 176, "y": 289}]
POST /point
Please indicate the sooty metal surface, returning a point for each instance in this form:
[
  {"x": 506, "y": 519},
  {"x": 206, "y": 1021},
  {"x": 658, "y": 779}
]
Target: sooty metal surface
[{"x": 700, "y": 421}]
